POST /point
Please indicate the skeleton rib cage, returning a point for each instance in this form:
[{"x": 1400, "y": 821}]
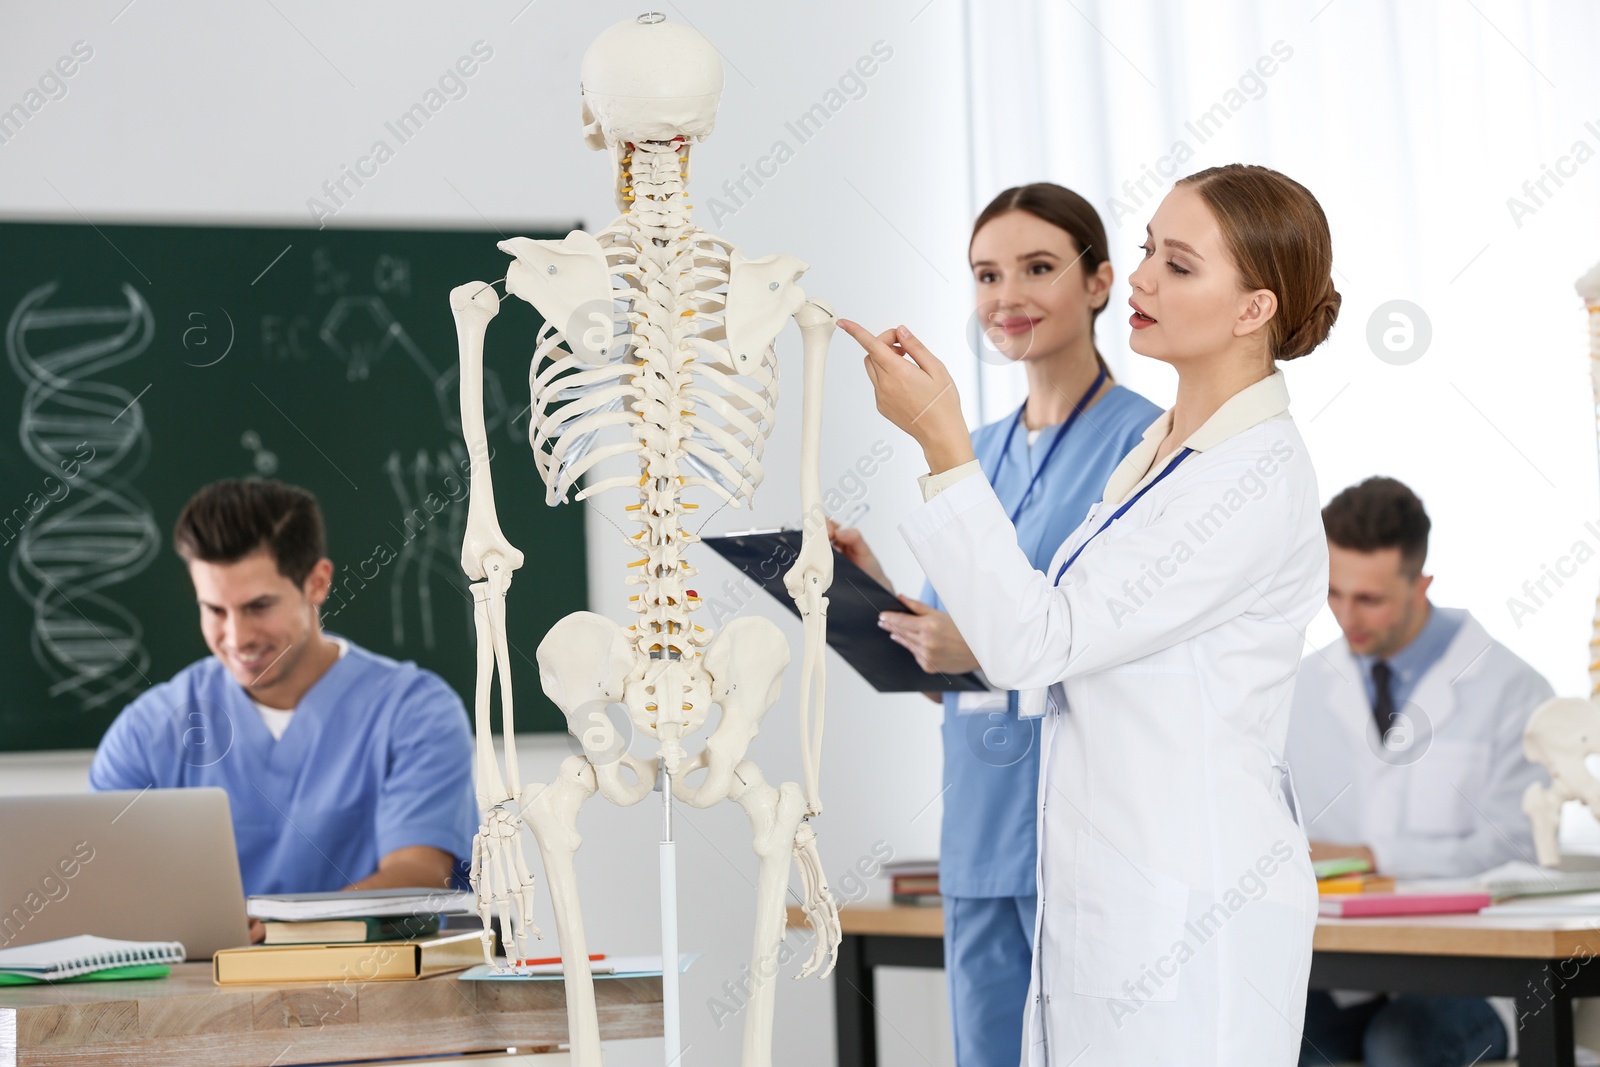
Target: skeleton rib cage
[{"x": 653, "y": 362}]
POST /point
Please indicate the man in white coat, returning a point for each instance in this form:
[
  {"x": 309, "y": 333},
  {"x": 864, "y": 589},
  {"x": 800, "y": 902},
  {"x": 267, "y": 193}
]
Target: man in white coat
[{"x": 1405, "y": 743}]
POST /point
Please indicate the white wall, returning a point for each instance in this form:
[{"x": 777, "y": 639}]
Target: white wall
[
  {"x": 1453, "y": 148},
  {"x": 190, "y": 111}
]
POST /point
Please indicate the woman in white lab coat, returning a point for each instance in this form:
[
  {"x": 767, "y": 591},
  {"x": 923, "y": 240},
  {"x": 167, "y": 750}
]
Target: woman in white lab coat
[{"x": 1177, "y": 901}]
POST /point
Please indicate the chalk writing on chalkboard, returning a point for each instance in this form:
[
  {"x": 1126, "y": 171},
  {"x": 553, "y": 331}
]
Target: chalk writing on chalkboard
[
  {"x": 98, "y": 532},
  {"x": 144, "y": 361}
]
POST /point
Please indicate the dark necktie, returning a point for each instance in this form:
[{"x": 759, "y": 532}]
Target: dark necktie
[{"x": 1383, "y": 706}]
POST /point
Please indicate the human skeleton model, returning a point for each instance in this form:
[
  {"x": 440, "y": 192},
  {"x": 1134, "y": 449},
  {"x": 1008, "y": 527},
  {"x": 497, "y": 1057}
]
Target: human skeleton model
[
  {"x": 663, "y": 335},
  {"x": 1562, "y": 733}
]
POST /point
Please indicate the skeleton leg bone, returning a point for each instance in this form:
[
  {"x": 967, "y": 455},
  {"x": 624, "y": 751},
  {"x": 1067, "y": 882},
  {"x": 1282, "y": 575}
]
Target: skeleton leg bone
[
  {"x": 776, "y": 815},
  {"x": 553, "y": 814},
  {"x": 1543, "y": 807}
]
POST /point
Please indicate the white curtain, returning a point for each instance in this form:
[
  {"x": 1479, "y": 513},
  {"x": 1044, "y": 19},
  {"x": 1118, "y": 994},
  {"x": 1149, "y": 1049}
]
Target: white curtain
[{"x": 1416, "y": 125}]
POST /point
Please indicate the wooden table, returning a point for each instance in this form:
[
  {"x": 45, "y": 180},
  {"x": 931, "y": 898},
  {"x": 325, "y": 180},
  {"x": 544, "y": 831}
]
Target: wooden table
[
  {"x": 186, "y": 1018},
  {"x": 1542, "y": 962}
]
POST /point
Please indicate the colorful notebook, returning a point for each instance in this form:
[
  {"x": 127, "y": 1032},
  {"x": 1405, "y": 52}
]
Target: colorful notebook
[
  {"x": 1368, "y": 905},
  {"x": 75, "y": 957}
]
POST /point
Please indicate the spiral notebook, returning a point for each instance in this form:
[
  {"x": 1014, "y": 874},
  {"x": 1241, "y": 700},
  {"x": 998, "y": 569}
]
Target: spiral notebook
[{"x": 72, "y": 957}]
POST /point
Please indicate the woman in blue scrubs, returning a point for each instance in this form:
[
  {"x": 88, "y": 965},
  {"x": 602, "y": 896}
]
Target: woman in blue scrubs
[{"x": 1043, "y": 275}]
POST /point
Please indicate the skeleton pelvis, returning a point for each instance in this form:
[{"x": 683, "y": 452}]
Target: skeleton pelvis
[
  {"x": 588, "y": 663},
  {"x": 584, "y": 663},
  {"x": 746, "y": 664}
]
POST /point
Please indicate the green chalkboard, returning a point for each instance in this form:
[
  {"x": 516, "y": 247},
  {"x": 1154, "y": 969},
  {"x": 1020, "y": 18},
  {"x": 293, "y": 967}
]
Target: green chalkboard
[{"x": 144, "y": 361}]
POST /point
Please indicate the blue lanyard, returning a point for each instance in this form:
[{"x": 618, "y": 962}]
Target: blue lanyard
[
  {"x": 1179, "y": 458},
  {"x": 1077, "y": 410}
]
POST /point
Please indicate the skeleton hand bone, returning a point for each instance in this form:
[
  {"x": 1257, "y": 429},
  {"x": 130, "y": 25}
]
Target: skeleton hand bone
[
  {"x": 822, "y": 911},
  {"x": 501, "y": 879}
]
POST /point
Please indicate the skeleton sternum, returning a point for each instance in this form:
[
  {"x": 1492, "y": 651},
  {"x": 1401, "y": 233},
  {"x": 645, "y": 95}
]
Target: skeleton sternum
[{"x": 670, "y": 687}]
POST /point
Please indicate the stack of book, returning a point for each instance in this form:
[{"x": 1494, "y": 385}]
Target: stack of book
[
  {"x": 368, "y": 935},
  {"x": 384, "y": 961},
  {"x": 1338, "y": 877},
  {"x": 914, "y": 882},
  {"x": 1525, "y": 889},
  {"x": 349, "y": 931},
  {"x": 1349, "y": 889}
]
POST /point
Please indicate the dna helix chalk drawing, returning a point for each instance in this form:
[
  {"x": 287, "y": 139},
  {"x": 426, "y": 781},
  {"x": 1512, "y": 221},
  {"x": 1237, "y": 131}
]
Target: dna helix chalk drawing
[{"x": 103, "y": 532}]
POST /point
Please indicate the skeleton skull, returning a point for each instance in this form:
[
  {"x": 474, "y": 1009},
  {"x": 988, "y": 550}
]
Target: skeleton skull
[{"x": 648, "y": 80}]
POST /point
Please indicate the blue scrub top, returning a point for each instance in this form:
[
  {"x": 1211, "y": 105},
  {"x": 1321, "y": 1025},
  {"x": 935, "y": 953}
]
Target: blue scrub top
[
  {"x": 987, "y": 844},
  {"x": 378, "y": 756}
]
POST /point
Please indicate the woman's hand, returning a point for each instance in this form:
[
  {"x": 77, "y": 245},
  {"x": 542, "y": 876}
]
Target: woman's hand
[
  {"x": 853, "y": 547},
  {"x": 932, "y": 637},
  {"x": 916, "y": 393}
]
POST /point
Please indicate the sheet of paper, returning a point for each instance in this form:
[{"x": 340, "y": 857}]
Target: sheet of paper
[{"x": 615, "y": 967}]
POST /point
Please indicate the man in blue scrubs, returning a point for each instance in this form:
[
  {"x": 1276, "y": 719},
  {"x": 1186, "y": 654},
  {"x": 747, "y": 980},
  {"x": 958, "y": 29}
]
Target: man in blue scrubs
[{"x": 342, "y": 767}]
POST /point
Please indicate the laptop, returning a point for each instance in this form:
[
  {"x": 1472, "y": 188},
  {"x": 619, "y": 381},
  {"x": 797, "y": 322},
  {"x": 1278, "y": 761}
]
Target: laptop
[{"x": 151, "y": 865}]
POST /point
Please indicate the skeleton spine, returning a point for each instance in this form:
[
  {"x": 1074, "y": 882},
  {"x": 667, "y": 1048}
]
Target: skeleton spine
[{"x": 663, "y": 317}]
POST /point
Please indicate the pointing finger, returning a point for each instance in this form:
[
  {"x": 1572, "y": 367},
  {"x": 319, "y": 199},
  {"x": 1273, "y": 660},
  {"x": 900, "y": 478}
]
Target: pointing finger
[{"x": 917, "y": 350}]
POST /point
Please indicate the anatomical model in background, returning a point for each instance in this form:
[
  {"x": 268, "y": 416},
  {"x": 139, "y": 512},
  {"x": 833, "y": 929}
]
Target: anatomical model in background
[
  {"x": 658, "y": 344},
  {"x": 1563, "y": 733}
]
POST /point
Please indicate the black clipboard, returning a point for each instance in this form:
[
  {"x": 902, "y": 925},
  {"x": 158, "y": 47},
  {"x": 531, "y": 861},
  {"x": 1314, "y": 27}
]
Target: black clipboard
[{"x": 854, "y": 602}]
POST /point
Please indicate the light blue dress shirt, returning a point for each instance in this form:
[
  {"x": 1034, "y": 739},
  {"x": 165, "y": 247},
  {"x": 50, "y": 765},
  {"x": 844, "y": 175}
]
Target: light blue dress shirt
[{"x": 1412, "y": 662}]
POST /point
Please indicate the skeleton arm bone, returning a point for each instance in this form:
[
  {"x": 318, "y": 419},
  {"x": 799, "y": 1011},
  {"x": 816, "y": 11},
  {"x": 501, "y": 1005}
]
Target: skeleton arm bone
[
  {"x": 808, "y": 580},
  {"x": 499, "y": 873},
  {"x": 486, "y": 555}
]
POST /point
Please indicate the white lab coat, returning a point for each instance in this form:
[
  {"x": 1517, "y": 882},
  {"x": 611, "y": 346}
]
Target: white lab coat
[
  {"x": 1177, "y": 902},
  {"x": 1446, "y": 801}
]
